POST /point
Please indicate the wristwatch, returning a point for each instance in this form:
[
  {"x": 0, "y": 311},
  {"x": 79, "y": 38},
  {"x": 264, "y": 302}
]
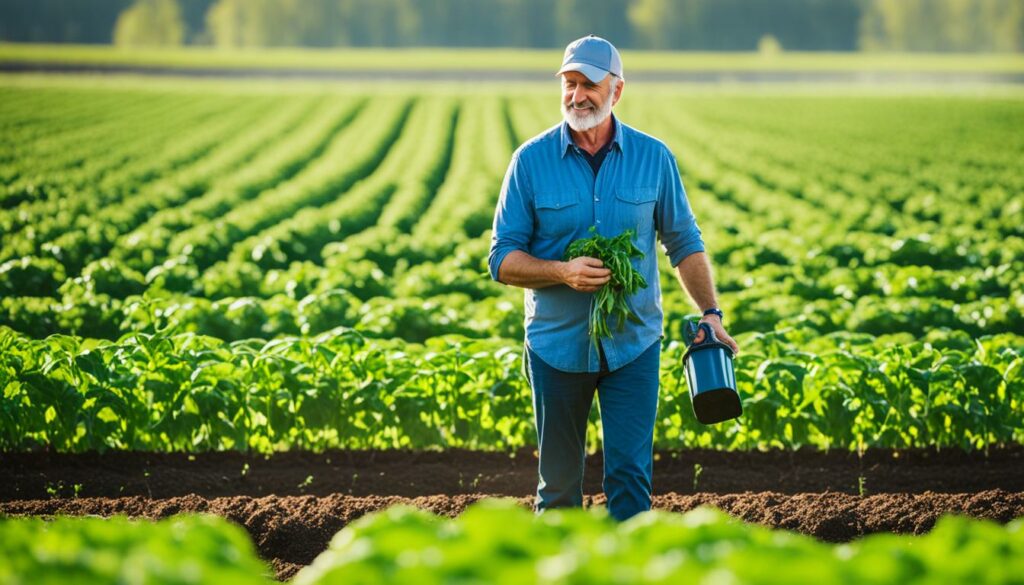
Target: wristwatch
[{"x": 715, "y": 311}]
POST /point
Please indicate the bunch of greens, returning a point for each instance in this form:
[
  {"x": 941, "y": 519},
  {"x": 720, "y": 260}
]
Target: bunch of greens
[{"x": 610, "y": 299}]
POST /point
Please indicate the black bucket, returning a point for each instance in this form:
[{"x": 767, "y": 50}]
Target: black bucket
[{"x": 711, "y": 377}]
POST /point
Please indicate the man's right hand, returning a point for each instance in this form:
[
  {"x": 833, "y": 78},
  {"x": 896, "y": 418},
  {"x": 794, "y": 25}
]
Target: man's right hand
[{"x": 585, "y": 274}]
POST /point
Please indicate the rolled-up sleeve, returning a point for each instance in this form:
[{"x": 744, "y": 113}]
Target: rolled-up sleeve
[
  {"x": 677, "y": 227},
  {"x": 513, "y": 216}
]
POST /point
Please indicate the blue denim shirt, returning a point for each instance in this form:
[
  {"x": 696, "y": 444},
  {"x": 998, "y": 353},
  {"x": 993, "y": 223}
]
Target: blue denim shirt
[{"x": 550, "y": 197}]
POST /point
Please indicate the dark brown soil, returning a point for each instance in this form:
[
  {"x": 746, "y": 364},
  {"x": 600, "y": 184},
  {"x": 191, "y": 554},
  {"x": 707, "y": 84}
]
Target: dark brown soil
[
  {"x": 292, "y": 503},
  {"x": 410, "y": 474},
  {"x": 290, "y": 531}
]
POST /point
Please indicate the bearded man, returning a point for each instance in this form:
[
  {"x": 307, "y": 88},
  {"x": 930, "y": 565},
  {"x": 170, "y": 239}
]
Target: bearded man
[{"x": 593, "y": 170}]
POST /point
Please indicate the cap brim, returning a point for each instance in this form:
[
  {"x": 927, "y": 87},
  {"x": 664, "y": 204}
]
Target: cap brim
[{"x": 595, "y": 74}]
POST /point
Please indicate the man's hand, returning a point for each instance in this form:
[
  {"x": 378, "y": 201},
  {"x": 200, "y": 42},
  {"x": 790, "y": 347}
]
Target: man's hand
[
  {"x": 585, "y": 274},
  {"x": 716, "y": 326}
]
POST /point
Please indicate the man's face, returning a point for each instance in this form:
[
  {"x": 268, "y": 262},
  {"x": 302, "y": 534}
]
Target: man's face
[{"x": 586, "y": 104}]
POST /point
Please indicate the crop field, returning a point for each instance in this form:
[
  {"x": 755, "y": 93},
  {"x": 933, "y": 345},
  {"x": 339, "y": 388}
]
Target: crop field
[{"x": 272, "y": 306}]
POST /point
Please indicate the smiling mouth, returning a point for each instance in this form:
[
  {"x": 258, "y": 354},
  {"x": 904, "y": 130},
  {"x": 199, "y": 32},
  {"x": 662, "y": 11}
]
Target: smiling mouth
[{"x": 575, "y": 107}]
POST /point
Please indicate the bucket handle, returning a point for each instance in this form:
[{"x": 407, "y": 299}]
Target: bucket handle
[
  {"x": 692, "y": 329},
  {"x": 710, "y": 339},
  {"x": 709, "y": 333}
]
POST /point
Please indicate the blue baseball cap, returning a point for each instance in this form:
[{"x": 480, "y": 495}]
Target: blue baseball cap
[{"x": 592, "y": 56}]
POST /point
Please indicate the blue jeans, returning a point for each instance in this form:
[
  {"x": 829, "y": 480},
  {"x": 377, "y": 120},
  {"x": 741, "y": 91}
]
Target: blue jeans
[{"x": 629, "y": 402}]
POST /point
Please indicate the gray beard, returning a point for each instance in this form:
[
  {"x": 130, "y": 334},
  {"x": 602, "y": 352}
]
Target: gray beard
[{"x": 583, "y": 120}]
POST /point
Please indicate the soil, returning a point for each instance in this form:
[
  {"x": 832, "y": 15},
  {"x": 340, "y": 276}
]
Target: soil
[
  {"x": 293, "y": 503},
  {"x": 290, "y": 531},
  {"x": 417, "y": 473}
]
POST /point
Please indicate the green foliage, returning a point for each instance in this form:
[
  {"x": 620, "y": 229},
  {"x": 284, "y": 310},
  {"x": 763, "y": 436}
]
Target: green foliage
[
  {"x": 317, "y": 23},
  {"x": 37, "y": 277},
  {"x": 496, "y": 541},
  {"x": 308, "y": 270},
  {"x": 160, "y": 391},
  {"x": 616, "y": 254},
  {"x": 696, "y": 25},
  {"x": 184, "y": 549},
  {"x": 499, "y": 541},
  {"x": 150, "y": 23},
  {"x": 951, "y": 25}
]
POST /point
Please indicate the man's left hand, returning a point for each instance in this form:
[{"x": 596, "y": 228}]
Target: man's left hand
[{"x": 716, "y": 326}]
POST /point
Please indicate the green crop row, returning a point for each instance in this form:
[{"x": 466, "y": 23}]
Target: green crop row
[
  {"x": 184, "y": 549},
  {"x": 53, "y": 154},
  {"x": 415, "y": 162},
  {"x": 164, "y": 392},
  {"x": 146, "y": 248},
  {"x": 800, "y": 200},
  {"x": 352, "y": 155},
  {"x": 886, "y": 223},
  {"x": 102, "y": 301},
  {"x": 95, "y": 234},
  {"x": 497, "y": 541},
  {"x": 37, "y": 227}
]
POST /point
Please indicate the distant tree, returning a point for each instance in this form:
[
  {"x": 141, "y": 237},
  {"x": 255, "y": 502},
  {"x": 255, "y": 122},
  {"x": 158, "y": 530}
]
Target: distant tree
[
  {"x": 312, "y": 23},
  {"x": 604, "y": 18},
  {"x": 943, "y": 25},
  {"x": 382, "y": 23},
  {"x": 238, "y": 23},
  {"x": 665, "y": 24},
  {"x": 769, "y": 45},
  {"x": 739, "y": 25},
  {"x": 150, "y": 23}
]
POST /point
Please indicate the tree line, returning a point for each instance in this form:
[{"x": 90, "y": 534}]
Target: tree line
[{"x": 719, "y": 25}]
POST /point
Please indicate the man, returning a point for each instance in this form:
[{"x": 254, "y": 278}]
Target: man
[{"x": 593, "y": 170}]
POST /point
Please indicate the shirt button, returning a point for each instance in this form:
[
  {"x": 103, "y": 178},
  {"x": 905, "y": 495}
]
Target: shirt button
[
  {"x": 599, "y": 221},
  {"x": 597, "y": 198}
]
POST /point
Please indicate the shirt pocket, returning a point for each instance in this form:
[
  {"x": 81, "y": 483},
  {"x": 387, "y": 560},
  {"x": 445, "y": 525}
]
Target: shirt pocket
[
  {"x": 557, "y": 213},
  {"x": 636, "y": 209}
]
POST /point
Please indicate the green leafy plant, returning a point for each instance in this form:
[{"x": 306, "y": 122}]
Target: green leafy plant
[
  {"x": 497, "y": 541},
  {"x": 610, "y": 300},
  {"x": 182, "y": 549}
]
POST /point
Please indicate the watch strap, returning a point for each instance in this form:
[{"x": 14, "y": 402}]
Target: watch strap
[{"x": 714, "y": 311}]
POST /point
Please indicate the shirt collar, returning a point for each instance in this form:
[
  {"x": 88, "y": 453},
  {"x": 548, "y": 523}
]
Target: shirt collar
[{"x": 566, "y": 135}]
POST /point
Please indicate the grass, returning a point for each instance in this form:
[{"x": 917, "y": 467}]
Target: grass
[{"x": 353, "y": 59}]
